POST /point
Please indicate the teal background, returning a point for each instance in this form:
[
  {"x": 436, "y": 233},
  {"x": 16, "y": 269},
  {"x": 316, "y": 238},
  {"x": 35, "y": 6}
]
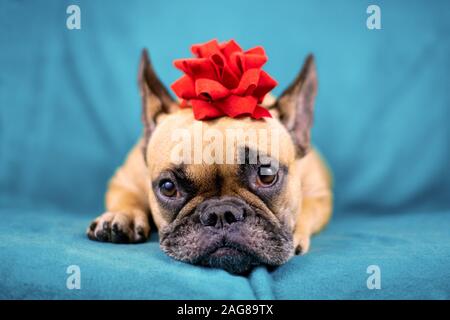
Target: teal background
[{"x": 70, "y": 111}]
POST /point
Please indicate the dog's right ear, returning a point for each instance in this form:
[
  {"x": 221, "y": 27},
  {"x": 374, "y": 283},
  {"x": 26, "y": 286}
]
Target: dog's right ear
[
  {"x": 156, "y": 99},
  {"x": 296, "y": 106}
]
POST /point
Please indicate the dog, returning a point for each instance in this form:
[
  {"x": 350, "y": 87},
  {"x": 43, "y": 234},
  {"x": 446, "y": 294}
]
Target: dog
[{"x": 229, "y": 216}]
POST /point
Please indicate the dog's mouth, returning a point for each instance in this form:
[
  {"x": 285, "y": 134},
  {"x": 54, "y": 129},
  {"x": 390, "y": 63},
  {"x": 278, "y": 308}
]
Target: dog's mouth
[
  {"x": 226, "y": 248},
  {"x": 225, "y": 251},
  {"x": 232, "y": 257}
]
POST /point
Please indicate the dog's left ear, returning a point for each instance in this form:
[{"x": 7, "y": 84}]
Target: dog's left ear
[
  {"x": 296, "y": 105},
  {"x": 156, "y": 99}
]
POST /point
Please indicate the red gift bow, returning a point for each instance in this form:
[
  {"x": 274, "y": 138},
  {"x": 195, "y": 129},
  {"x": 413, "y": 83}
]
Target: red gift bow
[{"x": 224, "y": 80}]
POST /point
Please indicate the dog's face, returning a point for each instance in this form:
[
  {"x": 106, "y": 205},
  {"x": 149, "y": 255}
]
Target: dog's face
[
  {"x": 223, "y": 199},
  {"x": 229, "y": 215}
]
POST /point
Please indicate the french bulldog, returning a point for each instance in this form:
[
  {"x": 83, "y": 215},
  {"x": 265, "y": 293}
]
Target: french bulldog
[{"x": 230, "y": 216}]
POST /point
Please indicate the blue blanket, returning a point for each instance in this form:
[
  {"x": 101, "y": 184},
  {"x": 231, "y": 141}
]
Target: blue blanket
[
  {"x": 411, "y": 250},
  {"x": 70, "y": 111}
]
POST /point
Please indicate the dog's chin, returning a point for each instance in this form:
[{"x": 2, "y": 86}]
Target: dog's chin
[{"x": 229, "y": 258}]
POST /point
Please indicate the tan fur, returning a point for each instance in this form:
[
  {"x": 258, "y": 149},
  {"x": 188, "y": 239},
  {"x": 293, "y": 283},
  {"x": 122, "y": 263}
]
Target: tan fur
[{"x": 317, "y": 200}]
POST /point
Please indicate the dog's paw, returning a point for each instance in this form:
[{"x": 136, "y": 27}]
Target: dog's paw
[
  {"x": 119, "y": 227},
  {"x": 301, "y": 244}
]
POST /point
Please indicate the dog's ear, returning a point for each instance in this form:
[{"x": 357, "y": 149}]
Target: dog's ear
[
  {"x": 156, "y": 100},
  {"x": 296, "y": 105}
]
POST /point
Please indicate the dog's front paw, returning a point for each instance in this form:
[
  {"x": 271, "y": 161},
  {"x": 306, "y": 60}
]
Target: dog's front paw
[
  {"x": 119, "y": 227},
  {"x": 301, "y": 244}
]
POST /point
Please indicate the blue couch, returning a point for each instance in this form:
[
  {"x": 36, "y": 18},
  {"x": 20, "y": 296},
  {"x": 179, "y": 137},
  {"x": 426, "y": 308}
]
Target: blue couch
[{"x": 70, "y": 111}]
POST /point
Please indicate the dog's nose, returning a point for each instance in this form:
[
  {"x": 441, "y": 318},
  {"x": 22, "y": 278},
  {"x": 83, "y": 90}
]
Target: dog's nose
[{"x": 222, "y": 215}]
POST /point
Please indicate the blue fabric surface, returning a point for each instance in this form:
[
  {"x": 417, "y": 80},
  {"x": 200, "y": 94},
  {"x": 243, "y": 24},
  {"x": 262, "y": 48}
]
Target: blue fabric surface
[
  {"x": 411, "y": 249},
  {"x": 70, "y": 111}
]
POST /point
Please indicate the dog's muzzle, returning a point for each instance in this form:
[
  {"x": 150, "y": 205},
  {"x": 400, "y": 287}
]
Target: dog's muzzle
[{"x": 227, "y": 233}]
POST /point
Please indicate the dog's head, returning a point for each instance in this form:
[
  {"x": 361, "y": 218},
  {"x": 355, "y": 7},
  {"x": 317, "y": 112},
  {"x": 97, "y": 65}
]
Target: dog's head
[{"x": 225, "y": 192}]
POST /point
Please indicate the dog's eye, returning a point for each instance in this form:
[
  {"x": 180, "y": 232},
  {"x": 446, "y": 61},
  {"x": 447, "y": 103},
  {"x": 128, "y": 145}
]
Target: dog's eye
[
  {"x": 266, "y": 176},
  {"x": 168, "y": 188}
]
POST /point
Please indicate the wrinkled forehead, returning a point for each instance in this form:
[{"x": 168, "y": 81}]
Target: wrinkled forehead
[{"x": 180, "y": 139}]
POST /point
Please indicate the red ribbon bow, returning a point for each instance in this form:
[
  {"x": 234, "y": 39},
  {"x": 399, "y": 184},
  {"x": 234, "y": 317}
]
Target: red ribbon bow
[{"x": 224, "y": 80}]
